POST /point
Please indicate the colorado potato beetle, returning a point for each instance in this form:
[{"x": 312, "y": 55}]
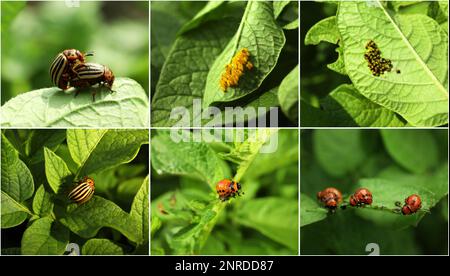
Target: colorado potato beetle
[
  {"x": 88, "y": 74},
  {"x": 330, "y": 197},
  {"x": 361, "y": 197},
  {"x": 413, "y": 203},
  {"x": 227, "y": 188},
  {"x": 83, "y": 191},
  {"x": 62, "y": 67}
]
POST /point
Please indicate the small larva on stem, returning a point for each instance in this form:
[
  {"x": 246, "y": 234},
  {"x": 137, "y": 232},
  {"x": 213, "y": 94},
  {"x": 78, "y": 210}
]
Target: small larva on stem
[{"x": 235, "y": 69}]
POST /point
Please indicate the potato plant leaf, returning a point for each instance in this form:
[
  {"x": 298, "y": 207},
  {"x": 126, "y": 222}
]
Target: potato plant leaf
[
  {"x": 50, "y": 107},
  {"x": 276, "y": 218},
  {"x": 17, "y": 186},
  {"x": 140, "y": 210},
  {"x": 264, "y": 39},
  {"x": 194, "y": 159},
  {"x": 310, "y": 210},
  {"x": 56, "y": 170},
  {"x": 101, "y": 247},
  {"x": 288, "y": 94},
  {"x": 43, "y": 202},
  {"x": 86, "y": 220},
  {"x": 45, "y": 237},
  {"x": 345, "y": 106},
  {"x": 95, "y": 150}
]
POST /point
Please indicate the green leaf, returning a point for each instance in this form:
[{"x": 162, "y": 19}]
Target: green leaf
[
  {"x": 101, "y": 247},
  {"x": 278, "y": 7},
  {"x": 324, "y": 30},
  {"x": 327, "y": 30},
  {"x": 182, "y": 80},
  {"x": 56, "y": 170},
  {"x": 97, "y": 150},
  {"x": 288, "y": 94},
  {"x": 292, "y": 25},
  {"x": 190, "y": 240},
  {"x": 155, "y": 225},
  {"x": 417, "y": 46},
  {"x": 310, "y": 210},
  {"x": 285, "y": 155},
  {"x": 50, "y": 107},
  {"x": 17, "y": 186},
  {"x": 192, "y": 158},
  {"x": 245, "y": 152},
  {"x": 249, "y": 111},
  {"x": 276, "y": 218},
  {"x": 42, "y": 202},
  {"x": 413, "y": 7},
  {"x": 414, "y": 150},
  {"x": 339, "y": 151},
  {"x": 17, "y": 180},
  {"x": 45, "y": 237},
  {"x": 260, "y": 34},
  {"x": 86, "y": 219},
  {"x": 38, "y": 139},
  {"x": 13, "y": 212},
  {"x": 346, "y": 107},
  {"x": 140, "y": 210},
  {"x": 202, "y": 16}
]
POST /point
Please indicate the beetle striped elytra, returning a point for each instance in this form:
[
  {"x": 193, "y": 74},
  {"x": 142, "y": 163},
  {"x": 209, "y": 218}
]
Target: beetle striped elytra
[
  {"x": 88, "y": 74},
  {"x": 83, "y": 191},
  {"x": 235, "y": 69},
  {"x": 62, "y": 67}
]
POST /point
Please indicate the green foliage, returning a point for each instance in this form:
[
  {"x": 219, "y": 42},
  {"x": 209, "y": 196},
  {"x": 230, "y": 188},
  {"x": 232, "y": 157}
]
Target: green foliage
[
  {"x": 50, "y": 107},
  {"x": 106, "y": 224},
  {"x": 101, "y": 247},
  {"x": 202, "y": 45},
  {"x": 188, "y": 217},
  {"x": 392, "y": 164},
  {"x": 410, "y": 34}
]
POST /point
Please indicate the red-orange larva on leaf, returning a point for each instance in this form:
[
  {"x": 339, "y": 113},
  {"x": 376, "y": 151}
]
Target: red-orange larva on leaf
[
  {"x": 330, "y": 197},
  {"x": 413, "y": 203},
  {"x": 235, "y": 69}
]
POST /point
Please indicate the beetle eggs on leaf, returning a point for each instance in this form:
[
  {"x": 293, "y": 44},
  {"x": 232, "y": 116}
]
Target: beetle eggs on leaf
[{"x": 235, "y": 69}]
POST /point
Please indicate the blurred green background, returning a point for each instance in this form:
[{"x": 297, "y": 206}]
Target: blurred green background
[{"x": 33, "y": 33}]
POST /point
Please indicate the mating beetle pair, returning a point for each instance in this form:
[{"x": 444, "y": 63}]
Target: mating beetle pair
[{"x": 69, "y": 69}]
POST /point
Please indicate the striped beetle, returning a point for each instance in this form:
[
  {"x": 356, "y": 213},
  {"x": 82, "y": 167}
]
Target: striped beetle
[
  {"x": 83, "y": 191},
  {"x": 88, "y": 74},
  {"x": 62, "y": 67}
]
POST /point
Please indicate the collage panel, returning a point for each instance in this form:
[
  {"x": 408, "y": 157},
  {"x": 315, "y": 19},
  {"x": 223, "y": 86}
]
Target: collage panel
[
  {"x": 74, "y": 192},
  {"x": 374, "y": 192},
  {"x": 224, "y": 192},
  {"x": 224, "y": 63},
  {"x": 374, "y": 63},
  {"x": 74, "y": 64}
]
